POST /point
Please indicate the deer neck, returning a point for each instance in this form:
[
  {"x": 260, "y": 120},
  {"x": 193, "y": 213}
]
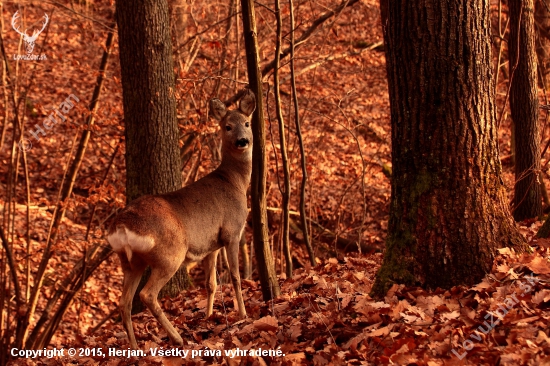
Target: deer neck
[{"x": 237, "y": 169}]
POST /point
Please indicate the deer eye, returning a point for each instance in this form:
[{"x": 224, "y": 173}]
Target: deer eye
[
  {"x": 247, "y": 124},
  {"x": 228, "y": 128}
]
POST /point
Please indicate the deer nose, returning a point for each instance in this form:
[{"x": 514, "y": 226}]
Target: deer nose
[{"x": 240, "y": 143}]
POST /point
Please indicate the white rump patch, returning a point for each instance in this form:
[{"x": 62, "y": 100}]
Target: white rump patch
[
  {"x": 117, "y": 239},
  {"x": 138, "y": 243},
  {"x": 126, "y": 240}
]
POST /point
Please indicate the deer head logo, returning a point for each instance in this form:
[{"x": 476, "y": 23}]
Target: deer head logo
[{"x": 29, "y": 40}]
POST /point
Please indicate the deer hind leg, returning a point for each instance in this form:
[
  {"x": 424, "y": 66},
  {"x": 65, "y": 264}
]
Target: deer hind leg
[
  {"x": 209, "y": 265},
  {"x": 233, "y": 259},
  {"x": 132, "y": 274},
  {"x": 159, "y": 277}
]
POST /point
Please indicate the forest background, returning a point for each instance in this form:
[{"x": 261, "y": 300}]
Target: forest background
[{"x": 325, "y": 313}]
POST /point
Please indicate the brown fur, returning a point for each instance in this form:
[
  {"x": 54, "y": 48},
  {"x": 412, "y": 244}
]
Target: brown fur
[{"x": 191, "y": 224}]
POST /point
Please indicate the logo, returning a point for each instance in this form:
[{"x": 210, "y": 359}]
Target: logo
[{"x": 30, "y": 41}]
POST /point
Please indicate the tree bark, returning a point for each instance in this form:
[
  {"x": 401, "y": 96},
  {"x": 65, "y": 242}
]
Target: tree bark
[
  {"x": 448, "y": 212},
  {"x": 153, "y": 163},
  {"x": 542, "y": 40},
  {"x": 524, "y": 105},
  {"x": 262, "y": 250}
]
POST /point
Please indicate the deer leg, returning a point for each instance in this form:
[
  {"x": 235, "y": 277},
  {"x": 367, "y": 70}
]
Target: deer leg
[
  {"x": 132, "y": 275},
  {"x": 159, "y": 277},
  {"x": 209, "y": 265},
  {"x": 233, "y": 259}
]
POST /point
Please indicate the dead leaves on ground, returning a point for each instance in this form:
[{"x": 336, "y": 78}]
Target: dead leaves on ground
[{"x": 326, "y": 317}]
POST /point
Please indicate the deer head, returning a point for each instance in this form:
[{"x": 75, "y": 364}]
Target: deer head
[{"x": 29, "y": 40}]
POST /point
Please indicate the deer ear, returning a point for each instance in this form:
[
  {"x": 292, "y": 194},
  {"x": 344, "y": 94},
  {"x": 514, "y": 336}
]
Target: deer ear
[
  {"x": 247, "y": 104},
  {"x": 217, "y": 109}
]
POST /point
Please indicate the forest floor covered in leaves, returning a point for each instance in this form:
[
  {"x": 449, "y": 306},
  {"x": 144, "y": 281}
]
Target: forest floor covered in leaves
[{"x": 324, "y": 315}]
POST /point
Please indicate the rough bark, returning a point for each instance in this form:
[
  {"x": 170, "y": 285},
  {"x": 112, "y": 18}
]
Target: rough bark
[
  {"x": 262, "y": 250},
  {"x": 153, "y": 163},
  {"x": 544, "y": 231},
  {"x": 152, "y": 156},
  {"x": 448, "y": 211},
  {"x": 524, "y": 105}
]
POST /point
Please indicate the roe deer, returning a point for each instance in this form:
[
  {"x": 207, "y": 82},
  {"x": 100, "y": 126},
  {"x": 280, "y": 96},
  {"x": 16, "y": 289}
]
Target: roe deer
[{"x": 193, "y": 223}]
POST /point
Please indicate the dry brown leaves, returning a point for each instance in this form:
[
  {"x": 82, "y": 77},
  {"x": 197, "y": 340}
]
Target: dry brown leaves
[{"x": 326, "y": 317}]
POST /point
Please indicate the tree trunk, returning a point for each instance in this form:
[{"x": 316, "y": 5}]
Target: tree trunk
[
  {"x": 262, "y": 250},
  {"x": 153, "y": 164},
  {"x": 542, "y": 40},
  {"x": 524, "y": 105},
  {"x": 448, "y": 211}
]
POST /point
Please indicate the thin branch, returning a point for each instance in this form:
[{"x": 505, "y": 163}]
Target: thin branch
[
  {"x": 284, "y": 156},
  {"x": 207, "y": 29},
  {"x": 11, "y": 265},
  {"x": 303, "y": 38},
  {"x": 68, "y": 185},
  {"x": 303, "y": 215},
  {"x": 225, "y": 46},
  {"x": 111, "y": 162},
  {"x": 82, "y": 271},
  {"x": 64, "y": 7},
  {"x": 330, "y": 58}
]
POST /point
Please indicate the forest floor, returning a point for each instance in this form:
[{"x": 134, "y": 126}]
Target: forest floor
[{"x": 324, "y": 315}]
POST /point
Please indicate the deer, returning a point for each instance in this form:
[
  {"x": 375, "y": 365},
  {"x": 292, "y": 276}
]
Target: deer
[
  {"x": 29, "y": 40},
  {"x": 167, "y": 231}
]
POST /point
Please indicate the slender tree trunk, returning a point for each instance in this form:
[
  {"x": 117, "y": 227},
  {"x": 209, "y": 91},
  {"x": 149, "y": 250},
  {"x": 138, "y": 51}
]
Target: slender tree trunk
[
  {"x": 448, "y": 211},
  {"x": 303, "y": 216},
  {"x": 262, "y": 250},
  {"x": 524, "y": 104},
  {"x": 285, "y": 191},
  {"x": 542, "y": 41},
  {"x": 153, "y": 163}
]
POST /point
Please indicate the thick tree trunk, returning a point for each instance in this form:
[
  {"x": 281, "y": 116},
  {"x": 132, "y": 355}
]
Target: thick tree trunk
[
  {"x": 153, "y": 163},
  {"x": 525, "y": 109},
  {"x": 152, "y": 156},
  {"x": 262, "y": 250},
  {"x": 448, "y": 212}
]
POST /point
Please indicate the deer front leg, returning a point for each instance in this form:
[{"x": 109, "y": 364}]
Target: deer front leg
[
  {"x": 209, "y": 265},
  {"x": 233, "y": 259}
]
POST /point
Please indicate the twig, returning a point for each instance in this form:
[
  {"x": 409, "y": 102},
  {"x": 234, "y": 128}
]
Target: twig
[
  {"x": 207, "y": 29},
  {"x": 332, "y": 58},
  {"x": 91, "y": 331},
  {"x": 64, "y": 7}
]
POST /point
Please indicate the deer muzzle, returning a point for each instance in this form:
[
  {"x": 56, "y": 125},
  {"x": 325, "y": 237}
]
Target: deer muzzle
[{"x": 242, "y": 143}]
